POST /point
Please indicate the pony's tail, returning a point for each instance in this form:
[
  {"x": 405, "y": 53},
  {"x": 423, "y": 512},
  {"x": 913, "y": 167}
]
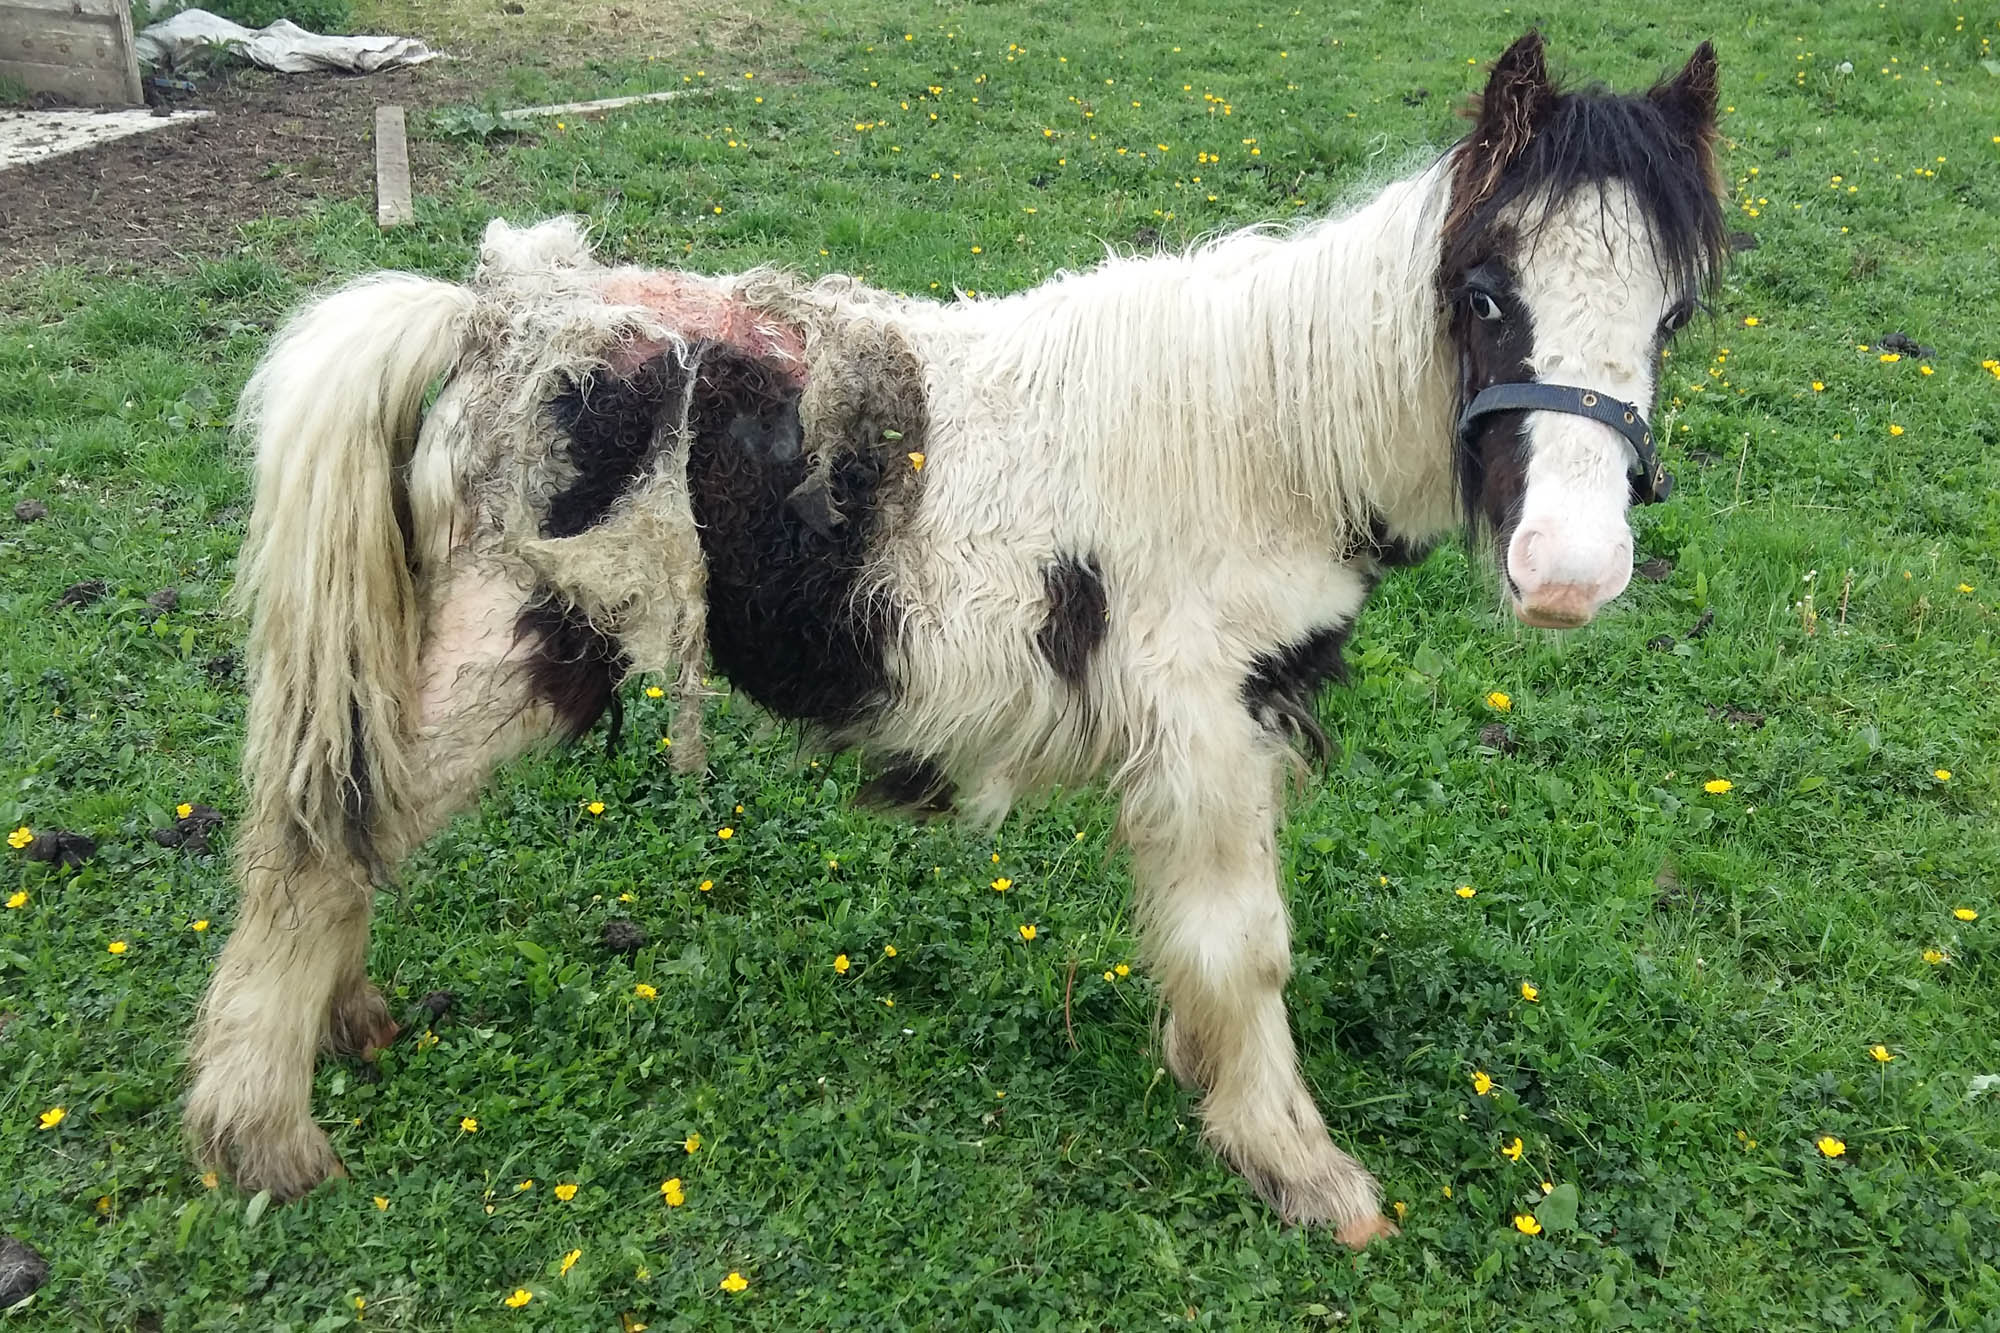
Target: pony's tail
[{"x": 325, "y": 574}]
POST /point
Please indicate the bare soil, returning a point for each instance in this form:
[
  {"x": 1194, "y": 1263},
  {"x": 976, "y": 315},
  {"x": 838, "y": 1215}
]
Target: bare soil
[{"x": 277, "y": 145}]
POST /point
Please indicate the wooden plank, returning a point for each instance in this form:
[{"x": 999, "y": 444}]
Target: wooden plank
[
  {"x": 78, "y": 49},
  {"x": 601, "y": 105},
  {"x": 392, "y": 169}
]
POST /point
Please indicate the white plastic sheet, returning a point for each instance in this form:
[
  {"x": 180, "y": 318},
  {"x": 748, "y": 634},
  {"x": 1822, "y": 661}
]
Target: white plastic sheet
[{"x": 283, "y": 46}]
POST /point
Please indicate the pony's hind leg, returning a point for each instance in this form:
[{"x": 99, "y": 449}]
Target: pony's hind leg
[
  {"x": 478, "y": 711},
  {"x": 1215, "y": 931},
  {"x": 293, "y": 977},
  {"x": 301, "y": 927}
]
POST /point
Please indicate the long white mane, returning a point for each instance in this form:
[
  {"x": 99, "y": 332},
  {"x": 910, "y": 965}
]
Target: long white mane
[{"x": 1264, "y": 363}]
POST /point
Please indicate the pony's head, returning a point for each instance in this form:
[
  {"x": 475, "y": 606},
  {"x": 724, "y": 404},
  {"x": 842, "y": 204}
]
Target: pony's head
[{"x": 1582, "y": 230}]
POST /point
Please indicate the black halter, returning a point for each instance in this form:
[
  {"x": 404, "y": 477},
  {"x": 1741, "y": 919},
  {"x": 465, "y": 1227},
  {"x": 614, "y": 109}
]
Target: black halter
[{"x": 1651, "y": 482}]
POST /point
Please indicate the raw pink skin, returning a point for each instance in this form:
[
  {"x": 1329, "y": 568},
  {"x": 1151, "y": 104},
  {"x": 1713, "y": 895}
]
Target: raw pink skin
[{"x": 698, "y": 312}]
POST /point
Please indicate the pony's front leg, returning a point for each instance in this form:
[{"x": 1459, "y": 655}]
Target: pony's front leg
[{"x": 1216, "y": 936}]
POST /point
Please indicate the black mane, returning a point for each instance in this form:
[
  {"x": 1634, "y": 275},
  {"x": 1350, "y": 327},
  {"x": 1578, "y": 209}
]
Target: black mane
[{"x": 1588, "y": 138}]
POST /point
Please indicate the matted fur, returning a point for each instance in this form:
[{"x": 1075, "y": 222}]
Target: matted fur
[{"x": 1117, "y": 526}]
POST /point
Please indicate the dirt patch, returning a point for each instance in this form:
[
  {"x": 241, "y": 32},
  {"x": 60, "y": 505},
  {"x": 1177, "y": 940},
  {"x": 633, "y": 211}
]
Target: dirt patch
[{"x": 277, "y": 146}]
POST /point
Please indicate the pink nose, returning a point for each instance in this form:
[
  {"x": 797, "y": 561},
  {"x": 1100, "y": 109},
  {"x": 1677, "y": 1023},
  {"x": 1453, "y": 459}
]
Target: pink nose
[{"x": 1561, "y": 574}]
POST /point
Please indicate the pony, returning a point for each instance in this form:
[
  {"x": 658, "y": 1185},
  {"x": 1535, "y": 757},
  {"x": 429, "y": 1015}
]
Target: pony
[{"x": 1117, "y": 526}]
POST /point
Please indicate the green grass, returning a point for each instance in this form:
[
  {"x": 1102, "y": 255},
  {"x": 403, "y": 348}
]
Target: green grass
[{"x": 1712, "y": 968}]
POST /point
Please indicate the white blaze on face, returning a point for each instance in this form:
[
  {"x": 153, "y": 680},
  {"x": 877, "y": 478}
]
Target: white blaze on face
[{"x": 1590, "y": 282}]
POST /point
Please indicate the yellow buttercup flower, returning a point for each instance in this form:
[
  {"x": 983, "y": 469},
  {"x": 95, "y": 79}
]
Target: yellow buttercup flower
[
  {"x": 735, "y": 1282},
  {"x": 1481, "y": 1083},
  {"x": 595, "y": 807},
  {"x": 692, "y": 1143},
  {"x": 1123, "y": 969},
  {"x": 655, "y": 692},
  {"x": 569, "y": 1261},
  {"x": 725, "y": 833},
  {"x": 381, "y": 1204},
  {"x": 53, "y": 1116},
  {"x": 1512, "y": 1152},
  {"x": 1499, "y": 701},
  {"x": 840, "y": 964},
  {"x": 116, "y": 946},
  {"x": 183, "y": 810},
  {"x": 1941, "y": 774},
  {"x": 1894, "y": 429},
  {"x": 1881, "y": 1054},
  {"x": 1530, "y": 993},
  {"x": 1965, "y": 914},
  {"x": 520, "y": 1298},
  {"x": 1717, "y": 786},
  {"x": 469, "y": 1125},
  {"x": 916, "y": 461},
  {"x": 566, "y": 1192},
  {"x": 1936, "y": 957},
  {"x": 1465, "y": 890},
  {"x": 671, "y": 1191},
  {"x": 645, "y": 992},
  {"x": 1831, "y": 1146},
  {"x": 20, "y": 837},
  {"x": 1002, "y": 884},
  {"x": 527, "y": 1184},
  {"x": 18, "y": 898},
  {"x": 1526, "y": 1224},
  {"x": 198, "y": 926},
  {"x": 1027, "y": 932},
  {"x": 888, "y": 951}
]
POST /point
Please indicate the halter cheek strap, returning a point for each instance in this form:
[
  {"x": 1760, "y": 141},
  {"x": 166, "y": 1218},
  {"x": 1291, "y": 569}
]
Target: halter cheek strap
[{"x": 1651, "y": 482}]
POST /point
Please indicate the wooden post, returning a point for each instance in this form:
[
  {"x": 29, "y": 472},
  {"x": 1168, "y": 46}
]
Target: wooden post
[{"x": 392, "y": 169}]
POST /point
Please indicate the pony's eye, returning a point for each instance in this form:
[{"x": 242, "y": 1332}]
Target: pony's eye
[
  {"x": 1676, "y": 317},
  {"x": 1484, "y": 307}
]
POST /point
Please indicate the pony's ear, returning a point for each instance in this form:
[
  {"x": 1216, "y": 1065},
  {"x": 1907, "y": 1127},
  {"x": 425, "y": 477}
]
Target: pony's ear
[
  {"x": 1690, "y": 96},
  {"x": 1517, "y": 98}
]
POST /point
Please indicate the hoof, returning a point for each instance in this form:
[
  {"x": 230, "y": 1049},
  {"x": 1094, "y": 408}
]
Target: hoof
[
  {"x": 1355, "y": 1235},
  {"x": 290, "y": 1164},
  {"x": 359, "y": 1024}
]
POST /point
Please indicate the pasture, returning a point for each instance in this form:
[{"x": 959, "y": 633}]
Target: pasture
[{"x": 1650, "y": 968}]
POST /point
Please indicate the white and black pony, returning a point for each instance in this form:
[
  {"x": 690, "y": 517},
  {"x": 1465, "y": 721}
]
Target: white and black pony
[{"x": 1118, "y": 525}]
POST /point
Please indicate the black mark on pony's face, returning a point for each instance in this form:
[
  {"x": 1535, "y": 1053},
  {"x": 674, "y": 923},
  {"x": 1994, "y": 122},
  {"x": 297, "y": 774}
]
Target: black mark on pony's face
[
  {"x": 1076, "y": 618},
  {"x": 1494, "y": 333},
  {"x": 1582, "y": 228}
]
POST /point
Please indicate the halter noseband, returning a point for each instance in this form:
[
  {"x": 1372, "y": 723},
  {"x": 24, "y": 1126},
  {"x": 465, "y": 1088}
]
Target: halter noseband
[{"x": 1651, "y": 482}]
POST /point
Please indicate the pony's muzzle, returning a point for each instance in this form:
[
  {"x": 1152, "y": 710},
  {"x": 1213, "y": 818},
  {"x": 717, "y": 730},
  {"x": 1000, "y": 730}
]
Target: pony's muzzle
[{"x": 1559, "y": 576}]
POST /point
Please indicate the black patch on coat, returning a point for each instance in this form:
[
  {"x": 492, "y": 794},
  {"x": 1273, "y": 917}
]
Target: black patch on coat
[
  {"x": 574, "y": 667},
  {"x": 611, "y": 421},
  {"x": 784, "y": 623},
  {"x": 1386, "y": 549},
  {"x": 1283, "y": 686},
  {"x": 1076, "y": 619},
  {"x": 357, "y": 794},
  {"x": 912, "y": 785}
]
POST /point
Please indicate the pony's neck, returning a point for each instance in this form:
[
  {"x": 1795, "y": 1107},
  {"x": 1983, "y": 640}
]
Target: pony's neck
[
  {"x": 1297, "y": 379},
  {"x": 1352, "y": 357}
]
